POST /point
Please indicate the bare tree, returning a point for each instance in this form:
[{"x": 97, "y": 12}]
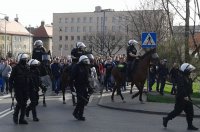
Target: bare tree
[{"x": 105, "y": 44}]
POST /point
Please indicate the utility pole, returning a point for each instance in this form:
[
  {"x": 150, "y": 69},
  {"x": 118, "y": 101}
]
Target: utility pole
[{"x": 187, "y": 57}]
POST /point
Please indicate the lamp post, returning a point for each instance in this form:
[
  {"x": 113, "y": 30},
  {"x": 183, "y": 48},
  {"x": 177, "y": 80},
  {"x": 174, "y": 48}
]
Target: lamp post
[{"x": 5, "y": 48}]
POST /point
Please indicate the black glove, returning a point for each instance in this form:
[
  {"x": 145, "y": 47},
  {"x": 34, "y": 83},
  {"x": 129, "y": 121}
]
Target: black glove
[
  {"x": 44, "y": 89},
  {"x": 90, "y": 90}
]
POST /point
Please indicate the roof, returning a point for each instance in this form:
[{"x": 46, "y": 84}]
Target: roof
[
  {"x": 43, "y": 31},
  {"x": 13, "y": 27}
]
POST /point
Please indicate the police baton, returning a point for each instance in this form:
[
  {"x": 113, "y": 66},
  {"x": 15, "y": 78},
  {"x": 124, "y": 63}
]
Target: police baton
[
  {"x": 44, "y": 101},
  {"x": 73, "y": 93},
  {"x": 12, "y": 104},
  {"x": 194, "y": 104}
]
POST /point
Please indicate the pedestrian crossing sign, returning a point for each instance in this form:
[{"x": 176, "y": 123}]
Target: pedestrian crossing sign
[{"x": 148, "y": 40}]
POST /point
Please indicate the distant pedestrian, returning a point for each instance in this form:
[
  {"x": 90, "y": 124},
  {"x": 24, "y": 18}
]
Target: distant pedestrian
[{"x": 183, "y": 100}]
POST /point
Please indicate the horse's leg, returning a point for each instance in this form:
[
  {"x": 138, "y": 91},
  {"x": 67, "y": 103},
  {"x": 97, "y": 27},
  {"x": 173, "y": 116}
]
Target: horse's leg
[
  {"x": 113, "y": 92},
  {"x": 137, "y": 93},
  {"x": 63, "y": 91},
  {"x": 120, "y": 93},
  {"x": 131, "y": 91}
]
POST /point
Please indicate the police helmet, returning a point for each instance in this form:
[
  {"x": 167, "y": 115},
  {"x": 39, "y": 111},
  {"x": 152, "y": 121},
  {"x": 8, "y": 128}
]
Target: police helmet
[
  {"x": 33, "y": 62},
  {"x": 132, "y": 42},
  {"x": 84, "y": 59},
  {"x": 38, "y": 43},
  {"x": 22, "y": 56},
  {"x": 187, "y": 68},
  {"x": 81, "y": 45}
]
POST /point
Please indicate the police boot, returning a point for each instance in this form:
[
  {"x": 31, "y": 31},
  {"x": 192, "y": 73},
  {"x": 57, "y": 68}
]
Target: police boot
[
  {"x": 81, "y": 118},
  {"x": 22, "y": 120},
  {"x": 15, "y": 115},
  {"x": 165, "y": 121},
  {"x": 27, "y": 111},
  {"x": 34, "y": 114},
  {"x": 190, "y": 126}
]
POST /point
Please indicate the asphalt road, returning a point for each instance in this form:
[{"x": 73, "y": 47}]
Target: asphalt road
[{"x": 57, "y": 117}]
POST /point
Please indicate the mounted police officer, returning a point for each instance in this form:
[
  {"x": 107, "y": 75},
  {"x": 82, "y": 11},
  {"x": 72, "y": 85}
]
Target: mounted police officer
[
  {"x": 34, "y": 88},
  {"x": 38, "y": 51},
  {"x": 80, "y": 77},
  {"x": 20, "y": 81},
  {"x": 183, "y": 99},
  {"x": 131, "y": 58},
  {"x": 78, "y": 51}
]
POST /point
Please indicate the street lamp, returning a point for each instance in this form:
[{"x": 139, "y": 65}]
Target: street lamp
[{"x": 4, "y": 34}]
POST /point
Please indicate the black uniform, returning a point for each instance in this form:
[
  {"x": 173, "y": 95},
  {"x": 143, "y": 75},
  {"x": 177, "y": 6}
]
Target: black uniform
[
  {"x": 184, "y": 89},
  {"x": 38, "y": 52},
  {"x": 130, "y": 60},
  {"x": 76, "y": 53},
  {"x": 20, "y": 81},
  {"x": 80, "y": 77},
  {"x": 33, "y": 91}
]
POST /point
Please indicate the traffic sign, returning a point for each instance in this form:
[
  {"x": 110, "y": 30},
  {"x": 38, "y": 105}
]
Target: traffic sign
[{"x": 149, "y": 40}]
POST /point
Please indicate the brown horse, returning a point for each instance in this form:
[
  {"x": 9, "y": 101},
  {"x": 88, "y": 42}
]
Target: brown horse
[{"x": 139, "y": 74}]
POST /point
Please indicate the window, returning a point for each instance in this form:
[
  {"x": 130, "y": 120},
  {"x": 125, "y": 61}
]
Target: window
[
  {"x": 72, "y": 37},
  {"x": 66, "y": 38},
  {"x": 90, "y": 29},
  {"x": 60, "y": 38},
  {"x": 120, "y": 28},
  {"x": 84, "y": 19},
  {"x": 113, "y": 19},
  {"x": 113, "y": 28},
  {"x": 60, "y": 20},
  {"x": 78, "y": 38},
  {"x": 78, "y": 29},
  {"x": 84, "y": 37},
  {"x": 78, "y": 20},
  {"x": 84, "y": 29},
  {"x": 66, "y": 46},
  {"x": 72, "y": 29},
  {"x": 60, "y": 47},
  {"x": 120, "y": 18},
  {"x": 72, "y": 20},
  {"x": 90, "y": 19},
  {"x": 66, "y": 29},
  {"x": 60, "y": 29},
  {"x": 66, "y": 20}
]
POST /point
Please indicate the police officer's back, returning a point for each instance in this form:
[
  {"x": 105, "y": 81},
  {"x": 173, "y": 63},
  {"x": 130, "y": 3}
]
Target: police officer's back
[
  {"x": 38, "y": 51},
  {"x": 80, "y": 76}
]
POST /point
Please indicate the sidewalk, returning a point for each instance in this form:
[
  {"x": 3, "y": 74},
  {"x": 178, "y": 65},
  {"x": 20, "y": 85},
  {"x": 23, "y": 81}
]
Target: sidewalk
[{"x": 134, "y": 105}]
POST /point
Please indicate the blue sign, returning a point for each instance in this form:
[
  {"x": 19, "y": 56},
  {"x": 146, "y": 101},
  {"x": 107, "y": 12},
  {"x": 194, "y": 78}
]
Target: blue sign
[{"x": 149, "y": 40}]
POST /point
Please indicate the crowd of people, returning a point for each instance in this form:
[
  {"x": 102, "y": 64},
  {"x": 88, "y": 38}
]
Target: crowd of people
[{"x": 24, "y": 76}]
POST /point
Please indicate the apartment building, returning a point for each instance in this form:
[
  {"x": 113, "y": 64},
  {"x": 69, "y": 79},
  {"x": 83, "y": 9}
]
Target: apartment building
[
  {"x": 14, "y": 38},
  {"x": 69, "y": 28}
]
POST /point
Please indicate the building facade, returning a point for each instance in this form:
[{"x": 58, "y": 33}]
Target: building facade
[
  {"x": 69, "y": 28},
  {"x": 14, "y": 38}
]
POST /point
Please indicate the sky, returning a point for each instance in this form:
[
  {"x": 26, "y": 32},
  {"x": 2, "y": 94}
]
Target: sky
[{"x": 32, "y": 12}]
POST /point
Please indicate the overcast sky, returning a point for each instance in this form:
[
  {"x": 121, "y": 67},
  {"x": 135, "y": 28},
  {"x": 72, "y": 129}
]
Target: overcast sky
[{"x": 32, "y": 12}]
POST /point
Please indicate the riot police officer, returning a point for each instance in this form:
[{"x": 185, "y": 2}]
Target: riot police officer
[
  {"x": 80, "y": 77},
  {"x": 38, "y": 51},
  {"x": 20, "y": 81},
  {"x": 35, "y": 82},
  {"x": 131, "y": 57},
  {"x": 75, "y": 55},
  {"x": 183, "y": 99},
  {"x": 78, "y": 51}
]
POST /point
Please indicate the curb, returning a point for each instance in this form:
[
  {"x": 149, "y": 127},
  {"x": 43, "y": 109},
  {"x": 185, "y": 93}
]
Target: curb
[{"x": 138, "y": 111}]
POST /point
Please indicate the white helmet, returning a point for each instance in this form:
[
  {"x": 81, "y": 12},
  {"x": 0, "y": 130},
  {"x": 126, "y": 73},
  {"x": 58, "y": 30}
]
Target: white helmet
[
  {"x": 81, "y": 45},
  {"x": 38, "y": 43},
  {"x": 84, "y": 59},
  {"x": 186, "y": 67},
  {"x": 33, "y": 62},
  {"x": 22, "y": 56},
  {"x": 132, "y": 42}
]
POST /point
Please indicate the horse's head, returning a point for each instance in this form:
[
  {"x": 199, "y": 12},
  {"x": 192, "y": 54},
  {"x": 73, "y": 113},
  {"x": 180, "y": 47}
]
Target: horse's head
[{"x": 151, "y": 52}]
